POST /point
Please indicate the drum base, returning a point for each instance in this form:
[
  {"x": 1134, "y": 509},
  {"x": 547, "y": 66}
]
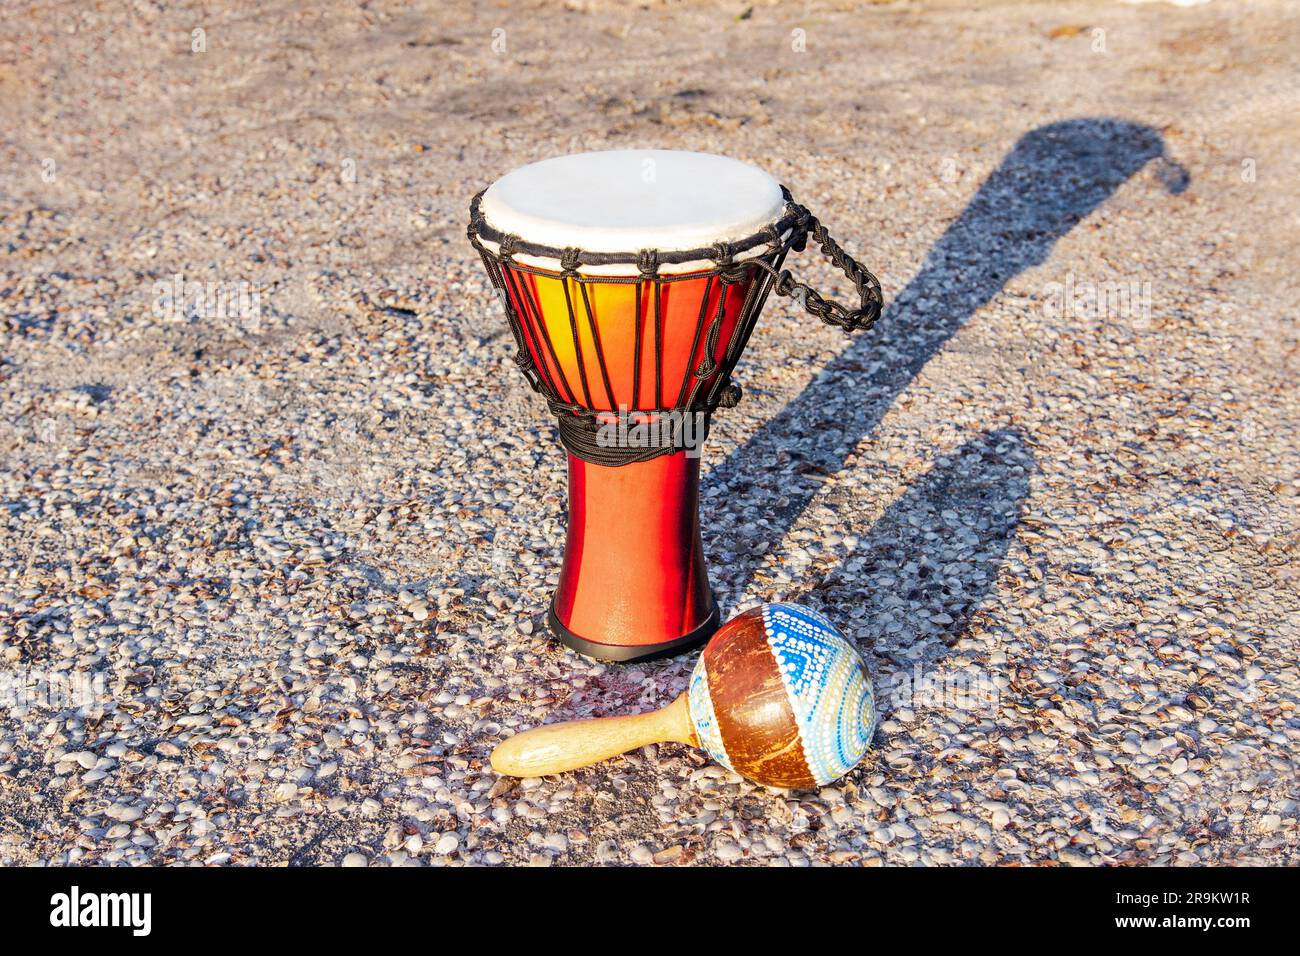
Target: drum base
[{"x": 627, "y": 653}]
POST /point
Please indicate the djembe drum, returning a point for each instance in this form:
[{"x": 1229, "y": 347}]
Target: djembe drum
[{"x": 632, "y": 280}]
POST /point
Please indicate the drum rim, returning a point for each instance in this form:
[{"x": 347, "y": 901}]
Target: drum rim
[{"x": 772, "y": 235}]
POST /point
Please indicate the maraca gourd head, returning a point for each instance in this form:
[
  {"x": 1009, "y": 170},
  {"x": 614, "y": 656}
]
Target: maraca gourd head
[{"x": 780, "y": 697}]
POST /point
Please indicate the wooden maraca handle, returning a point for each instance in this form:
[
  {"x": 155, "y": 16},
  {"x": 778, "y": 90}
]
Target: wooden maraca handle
[{"x": 556, "y": 748}]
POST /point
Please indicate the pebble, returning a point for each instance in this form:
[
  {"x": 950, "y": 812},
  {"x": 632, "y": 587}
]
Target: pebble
[
  {"x": 641, "y": 854},
  {"x": 728, "y": 851},
  {"x": 124, "y": 814},
  {"x": 447, "y": 844}
]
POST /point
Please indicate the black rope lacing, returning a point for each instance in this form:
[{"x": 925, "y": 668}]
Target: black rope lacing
[{"x": 580, "y": 425}]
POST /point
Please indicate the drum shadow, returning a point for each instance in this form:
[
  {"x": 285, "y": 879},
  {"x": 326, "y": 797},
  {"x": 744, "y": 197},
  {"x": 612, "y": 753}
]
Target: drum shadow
[
  {"x": 1053, "y": 177},
  {"x": 907, "y": 592}
]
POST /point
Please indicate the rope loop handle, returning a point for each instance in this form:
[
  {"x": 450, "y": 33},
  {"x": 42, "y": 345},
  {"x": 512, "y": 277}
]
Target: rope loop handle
[{"x": 865, "y": 284}]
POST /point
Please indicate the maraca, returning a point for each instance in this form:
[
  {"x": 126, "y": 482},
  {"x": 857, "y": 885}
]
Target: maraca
[{"x": 778, "y": 695}]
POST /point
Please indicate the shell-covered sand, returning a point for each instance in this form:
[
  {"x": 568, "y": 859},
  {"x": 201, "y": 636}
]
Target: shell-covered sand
[{"x": 271, "y": 569}]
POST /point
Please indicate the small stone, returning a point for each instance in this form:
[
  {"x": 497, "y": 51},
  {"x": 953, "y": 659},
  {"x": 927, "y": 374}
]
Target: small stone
[
  {"x": 728, "y": 852},
  {"x": 669, "y": 854},
  {"x": 447, "y": 844},
  {"x": 125, "y": 814},
  {"x": 641, "y": 854}
]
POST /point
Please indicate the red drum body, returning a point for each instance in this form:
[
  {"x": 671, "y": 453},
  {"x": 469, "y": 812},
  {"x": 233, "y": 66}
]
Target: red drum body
[{"x": 634, "y": 582}]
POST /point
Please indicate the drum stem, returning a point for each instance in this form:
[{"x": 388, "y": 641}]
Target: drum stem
[{"x": 634, "y": 583}]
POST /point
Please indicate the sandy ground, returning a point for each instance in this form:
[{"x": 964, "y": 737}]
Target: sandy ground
[{"x": 269, "y": 581}]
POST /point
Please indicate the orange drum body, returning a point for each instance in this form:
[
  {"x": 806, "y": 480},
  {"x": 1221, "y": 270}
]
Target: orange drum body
[{"x": 596, "y": 342}]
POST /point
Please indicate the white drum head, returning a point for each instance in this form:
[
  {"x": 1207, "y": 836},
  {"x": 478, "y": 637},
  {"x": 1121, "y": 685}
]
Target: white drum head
[{"x": 627, "y": 200}]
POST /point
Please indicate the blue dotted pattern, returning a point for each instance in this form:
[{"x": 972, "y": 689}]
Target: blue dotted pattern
[
  {"x": 702, "y": 715},
  {"x": 831, "y": 696}
]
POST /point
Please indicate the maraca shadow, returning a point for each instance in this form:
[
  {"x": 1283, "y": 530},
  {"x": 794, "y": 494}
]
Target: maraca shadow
[{"x": 984, "y": 483}]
